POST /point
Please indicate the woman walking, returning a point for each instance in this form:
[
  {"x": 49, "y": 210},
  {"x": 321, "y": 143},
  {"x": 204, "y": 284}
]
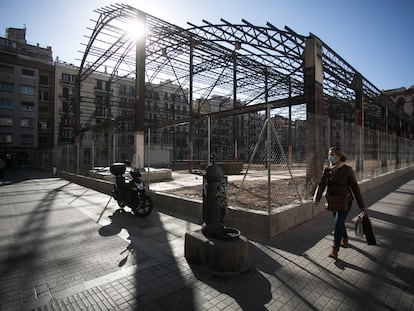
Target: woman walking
[{"x": 342, "y": 187}]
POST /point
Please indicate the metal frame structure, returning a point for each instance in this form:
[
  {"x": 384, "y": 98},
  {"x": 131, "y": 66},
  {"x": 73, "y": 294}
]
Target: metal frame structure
[{"x": 256, "y": 66}]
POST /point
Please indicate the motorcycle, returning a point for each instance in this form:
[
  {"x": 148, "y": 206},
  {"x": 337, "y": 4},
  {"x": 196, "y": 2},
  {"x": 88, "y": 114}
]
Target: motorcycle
[{"x": 130, "y": 193}]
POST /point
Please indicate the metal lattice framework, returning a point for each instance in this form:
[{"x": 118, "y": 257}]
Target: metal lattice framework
[{"x": 253, "y": 65}]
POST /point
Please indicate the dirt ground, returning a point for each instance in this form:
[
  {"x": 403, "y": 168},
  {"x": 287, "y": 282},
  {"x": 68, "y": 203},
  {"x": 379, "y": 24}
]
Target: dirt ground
[{"x": 254, "y": 194}]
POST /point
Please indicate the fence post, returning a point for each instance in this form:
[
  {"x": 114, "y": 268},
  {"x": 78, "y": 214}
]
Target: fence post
[
  {"x": 208, "y": 139},
  {"x": 93, "y": 152},
  {"x": 67, "y": 157},
  {"x": 77, "y": 157}
]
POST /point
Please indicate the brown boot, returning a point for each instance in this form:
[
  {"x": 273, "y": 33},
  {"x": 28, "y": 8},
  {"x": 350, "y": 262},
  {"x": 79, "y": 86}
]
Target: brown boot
[
  {"x": 334, "y": 253},
  {"x": 344, "y": 242}
]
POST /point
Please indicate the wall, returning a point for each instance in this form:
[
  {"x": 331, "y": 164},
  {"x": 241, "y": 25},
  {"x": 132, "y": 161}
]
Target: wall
[{"x": 249, "y": 222}]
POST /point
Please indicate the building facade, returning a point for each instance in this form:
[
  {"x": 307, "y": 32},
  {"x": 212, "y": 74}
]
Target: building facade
[
  {"x": 26, "y": 97},
  {"x": 403, "y": 98},
  {"x": 38, "y": 112}
]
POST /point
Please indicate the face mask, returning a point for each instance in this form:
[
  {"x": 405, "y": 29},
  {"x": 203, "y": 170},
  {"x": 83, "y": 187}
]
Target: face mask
[{"x": 332, "y": 159}]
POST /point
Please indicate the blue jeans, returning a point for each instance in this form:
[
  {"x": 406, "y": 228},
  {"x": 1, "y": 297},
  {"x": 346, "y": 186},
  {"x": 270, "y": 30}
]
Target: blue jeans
[{"x": 339, "y": 226}]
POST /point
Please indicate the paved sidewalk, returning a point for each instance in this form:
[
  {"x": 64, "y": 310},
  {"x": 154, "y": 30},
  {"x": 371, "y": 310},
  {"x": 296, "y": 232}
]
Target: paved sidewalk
[{"x": 64, "y": 247}]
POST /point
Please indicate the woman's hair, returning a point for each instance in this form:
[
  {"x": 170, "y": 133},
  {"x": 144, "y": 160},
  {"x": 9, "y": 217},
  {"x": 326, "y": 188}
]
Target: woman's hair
[{"x": 339, "y": 152}]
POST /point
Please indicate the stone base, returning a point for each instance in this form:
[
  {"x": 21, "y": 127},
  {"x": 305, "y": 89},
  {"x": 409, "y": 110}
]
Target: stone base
[{"x": 218, "y": 255}]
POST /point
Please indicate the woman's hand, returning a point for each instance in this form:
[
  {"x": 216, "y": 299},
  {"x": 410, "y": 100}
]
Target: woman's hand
[{"x": 363, "y": 212}]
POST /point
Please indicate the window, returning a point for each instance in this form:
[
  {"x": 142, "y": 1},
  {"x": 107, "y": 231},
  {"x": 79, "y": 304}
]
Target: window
[
  {"x": 27, "y": 106},
  {"x": 6, "y": 69},
  {"x": 6, "y": 138},
  {"x": 27, "y": 139},
  {"x": 28, "y": 73},
  {"x": 43, "y": 108},
  {"x": 122, "y": 89},
  {"x": 44, "y": 80},
  {"x": 99, "y": 84},
  {"x": 6, "y": 87},
  {"x": 27, "y": 90},
  {"x": 43, "y": 141},
  {"x": 43, "y": 125},
  {"x": 43, "y": 95},
  {"x": 65, "y": 78},
  {"x": 65, "y": 93},
  {"x": 6, "y": 121},
  {"x": 6, "y": 103},
  {"x": 400, "y": 102},
  {"x": 25, "y": 122}
]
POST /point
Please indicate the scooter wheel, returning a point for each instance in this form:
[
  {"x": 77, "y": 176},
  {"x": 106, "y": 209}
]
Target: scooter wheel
[{"x": 145, "y": 208}]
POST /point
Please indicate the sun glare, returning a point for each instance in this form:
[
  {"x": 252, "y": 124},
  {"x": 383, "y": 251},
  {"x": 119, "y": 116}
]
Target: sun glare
[{"x": 135, "y": 30}]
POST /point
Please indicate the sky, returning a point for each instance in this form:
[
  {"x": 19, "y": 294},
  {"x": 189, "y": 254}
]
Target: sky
[{"x": 376, "y": 37}]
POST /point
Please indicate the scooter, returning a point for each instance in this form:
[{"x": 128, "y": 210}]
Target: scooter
[{"x": 130, "y": 193}]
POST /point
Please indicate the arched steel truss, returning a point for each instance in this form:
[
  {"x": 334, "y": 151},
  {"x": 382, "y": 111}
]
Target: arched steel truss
[{"x": 252, "y": 65}]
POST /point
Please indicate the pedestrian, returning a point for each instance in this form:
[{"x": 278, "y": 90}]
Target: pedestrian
[
  {"x": 2, "y": 165},
  {"x": 340, "y": 181}
]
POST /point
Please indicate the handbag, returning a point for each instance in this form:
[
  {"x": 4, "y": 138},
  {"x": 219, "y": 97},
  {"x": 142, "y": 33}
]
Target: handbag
[
  {"x": 337, "y": 203},
  {"x": 363, "y": 226},
  {"x": 359, "y": 229},
  {"x": 368, "y": 230}
]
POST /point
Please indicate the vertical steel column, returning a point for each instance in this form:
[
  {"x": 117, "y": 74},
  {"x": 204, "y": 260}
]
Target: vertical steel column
[
  {"x": 77, "y": 157},
  {"x": 93, "y": 151},
  {"x": 67, "y": 158},
  {"x": 290, "y": 125},
  {"x": 113, "y": 146},
  {"x": 208, "y": 139},
  {"x": 149, "y": 158},
  {"x": 190, "y": 131},
  {"x": 383, "y": 132},
  {"x": 269, "y": 142},
  {"x": 315, "y": 135},
  {"x": 235, "y": 118},
  {"x": 398, "y": 137},
  {"x": 140, "y": 93},
  {"x": 76, "y": 109},
  {"x": 359, "y": 124}
]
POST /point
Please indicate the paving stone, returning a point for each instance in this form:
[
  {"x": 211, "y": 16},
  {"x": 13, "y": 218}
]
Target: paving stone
[{"x": 56, "y": 255}]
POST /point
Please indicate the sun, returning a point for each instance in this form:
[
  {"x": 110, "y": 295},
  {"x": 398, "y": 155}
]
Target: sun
[{"x": 135, "y": 30}]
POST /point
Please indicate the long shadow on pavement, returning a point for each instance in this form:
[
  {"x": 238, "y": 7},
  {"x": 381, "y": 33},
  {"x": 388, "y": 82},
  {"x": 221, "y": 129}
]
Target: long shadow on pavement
[
  {"x": 19, "y": 262},
  {"x": 251, "y": 290},
  {"x": 300, "y": 239},
  {"x": 16, "y": 175},
  {"x": 158, "y": 283}
]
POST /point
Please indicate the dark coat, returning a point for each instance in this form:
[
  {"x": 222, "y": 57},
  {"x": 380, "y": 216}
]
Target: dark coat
[{"x": 339, "y": 182}]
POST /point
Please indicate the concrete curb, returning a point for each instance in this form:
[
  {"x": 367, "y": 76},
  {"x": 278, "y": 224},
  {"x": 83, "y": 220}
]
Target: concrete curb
[{"x": 249, "y": 222}]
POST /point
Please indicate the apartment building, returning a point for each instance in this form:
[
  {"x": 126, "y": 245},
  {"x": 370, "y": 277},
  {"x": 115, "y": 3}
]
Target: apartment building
[
  {"x": 403, "y": 98},
  {"x": 26, "y": 97},
  {"x": 106, "y": 117}
]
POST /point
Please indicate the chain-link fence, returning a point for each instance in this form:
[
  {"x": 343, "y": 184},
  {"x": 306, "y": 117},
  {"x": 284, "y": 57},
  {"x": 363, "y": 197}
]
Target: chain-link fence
[{"x": 265, "y": 158}]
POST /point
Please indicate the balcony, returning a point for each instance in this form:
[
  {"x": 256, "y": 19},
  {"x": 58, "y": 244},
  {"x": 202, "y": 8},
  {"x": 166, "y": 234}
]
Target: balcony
[
  {"x": 65, "y": 96},
  {"x": 6, "y": 76},
  {"x": 103, "y": 93},
  {"x": 67, "y": 82}
]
